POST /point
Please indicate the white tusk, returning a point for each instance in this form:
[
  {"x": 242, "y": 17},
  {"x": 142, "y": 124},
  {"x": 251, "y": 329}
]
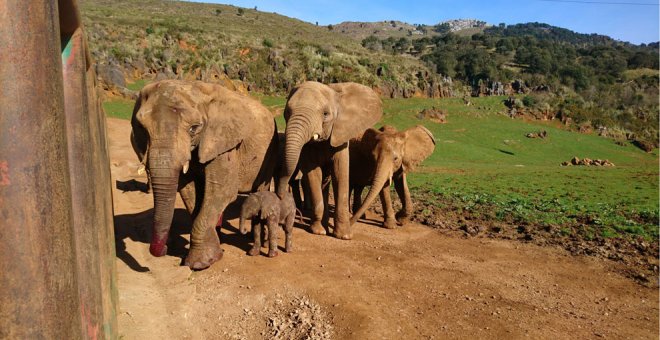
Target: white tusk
[
  {"x": 315, "y": 136},
  {"x": 185, "y": 166},
  {"x": 141, "y": 169}
]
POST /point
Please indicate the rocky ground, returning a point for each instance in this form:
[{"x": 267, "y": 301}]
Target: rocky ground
[{"x": 409, "y": 283}]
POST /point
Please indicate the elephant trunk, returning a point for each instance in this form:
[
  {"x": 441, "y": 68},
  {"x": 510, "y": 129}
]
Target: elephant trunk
[
  {"x": 164, "y": 181},
  {"x": 298, "y": 132},
  {"x": 241, "y": 223},
  {"x": 382, "y": 175}
]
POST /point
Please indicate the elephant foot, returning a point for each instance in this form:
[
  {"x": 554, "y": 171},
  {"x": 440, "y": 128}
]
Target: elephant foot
[
  {"x": 389, "y": 223},
  {"x": 272, "y": 253},
  {"x": 343, "y": 231},
  {"x": 203, "y": 257},
  {"x": 402, "y": 218},
  {"x": 317, "y": 228},
  {"x": 254, "y": 251}
]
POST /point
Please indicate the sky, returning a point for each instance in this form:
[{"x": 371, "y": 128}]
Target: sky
[{"x": 621, "y": 21}]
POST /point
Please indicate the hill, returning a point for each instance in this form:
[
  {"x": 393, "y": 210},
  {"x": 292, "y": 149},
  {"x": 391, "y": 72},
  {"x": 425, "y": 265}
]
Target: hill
[
  {"x": 589, "y": 81},
  {"x": 266, "y": 52}
]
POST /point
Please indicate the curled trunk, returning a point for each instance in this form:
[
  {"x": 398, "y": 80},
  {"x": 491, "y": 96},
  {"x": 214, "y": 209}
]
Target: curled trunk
[
  {"x": 382, "y": 175},
  {"x": 164, "y": 181}
]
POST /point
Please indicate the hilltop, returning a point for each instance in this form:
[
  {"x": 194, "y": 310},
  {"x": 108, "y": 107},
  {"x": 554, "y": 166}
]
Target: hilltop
[{"x": 399, "y": 29}]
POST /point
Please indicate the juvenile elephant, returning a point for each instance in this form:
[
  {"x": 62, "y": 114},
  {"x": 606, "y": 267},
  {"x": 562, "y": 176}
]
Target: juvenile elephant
[
  {"x": 380, "y": 156},
  {"x": 321, "y": 119},
  {"x": 208, "y": 143},
  {"x": 266, "y": 209}
]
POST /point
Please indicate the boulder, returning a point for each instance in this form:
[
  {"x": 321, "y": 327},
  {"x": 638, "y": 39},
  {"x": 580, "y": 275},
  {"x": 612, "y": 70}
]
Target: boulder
[
  {"x": 433, "y": 114},
  {"x": 644, "y": 145},
  {"x": 110, "y": 76}
]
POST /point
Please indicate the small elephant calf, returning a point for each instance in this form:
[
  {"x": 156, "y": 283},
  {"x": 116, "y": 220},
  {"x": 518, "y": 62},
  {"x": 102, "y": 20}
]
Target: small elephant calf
[{"x": 267, "y": 209}]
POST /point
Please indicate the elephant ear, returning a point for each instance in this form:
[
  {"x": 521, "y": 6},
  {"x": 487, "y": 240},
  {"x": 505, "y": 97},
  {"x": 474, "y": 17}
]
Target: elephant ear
[
  {"x": 223, "y": 128},
  {"x": 366, "y": 143},
  {"x": 359, "y": 108},
  {"x": 419, "y": 145},
  {"x": 139, "y": 136}
]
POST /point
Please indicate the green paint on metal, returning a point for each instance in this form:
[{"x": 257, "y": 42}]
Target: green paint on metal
[{"x": 66, "y": 52}]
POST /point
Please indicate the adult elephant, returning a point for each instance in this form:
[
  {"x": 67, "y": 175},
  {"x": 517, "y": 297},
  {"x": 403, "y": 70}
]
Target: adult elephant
[
  {"x": 321, "y": 119},
  {"x": 207, "y": 142},
  {"x": 381, "y": 156}
]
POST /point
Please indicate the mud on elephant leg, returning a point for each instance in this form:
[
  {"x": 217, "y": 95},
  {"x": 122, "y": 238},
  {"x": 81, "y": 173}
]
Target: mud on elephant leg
[
  {"x": 342, "y": 221},
  {"x": 272, "y": 235},
  {"x": 401, "y": 186},
  {"x": 220, "y": 189},
  {"x": 288, "y": 232},
  {"x": 256, "y": 232},
  {"x": 388, "y": 211},
  {"x": 314, "y": 178}
]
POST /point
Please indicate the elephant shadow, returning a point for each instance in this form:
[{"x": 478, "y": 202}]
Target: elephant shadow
[
  {"x": 132, "y": 185},
  {"x": 138, "y": 228}
]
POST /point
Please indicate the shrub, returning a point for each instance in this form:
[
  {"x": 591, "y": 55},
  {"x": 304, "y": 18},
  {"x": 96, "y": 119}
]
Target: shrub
[{"x": 267, "y": 43}]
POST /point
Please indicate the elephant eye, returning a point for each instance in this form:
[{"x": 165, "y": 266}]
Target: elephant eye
[{"x": 195, "y": 129}]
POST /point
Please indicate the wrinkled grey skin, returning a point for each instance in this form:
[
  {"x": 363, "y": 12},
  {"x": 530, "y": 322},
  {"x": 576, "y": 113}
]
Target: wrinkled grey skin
[{"x": 266, "y": 209}]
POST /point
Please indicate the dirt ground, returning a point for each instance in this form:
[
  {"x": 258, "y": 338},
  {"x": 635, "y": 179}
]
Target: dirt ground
[{"x": 410, "y": 283}]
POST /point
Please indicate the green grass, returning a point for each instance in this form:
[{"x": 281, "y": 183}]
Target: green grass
[
  {"x": 484, "y": 159},
  {"x": 137, "y": 85},
  {"x": 484, "y": 165},
  {"x": 118, "y": 108}
]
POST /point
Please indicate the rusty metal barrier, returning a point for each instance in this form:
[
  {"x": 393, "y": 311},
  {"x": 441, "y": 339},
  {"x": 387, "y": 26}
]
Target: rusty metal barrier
[{"x": 57, "y": 271}]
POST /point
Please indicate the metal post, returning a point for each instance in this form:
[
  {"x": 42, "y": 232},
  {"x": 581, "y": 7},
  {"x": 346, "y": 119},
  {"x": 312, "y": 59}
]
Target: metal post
[{"x": 39, "y": 295}]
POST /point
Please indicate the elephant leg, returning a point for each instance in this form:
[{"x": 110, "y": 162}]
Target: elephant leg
[
  {"x": 256, "y": 233},
  {"x": 313, "y": 179},
  {"x": 295, "y": 190},
  {"x": 357, "y": 198},
  {"x": 288, "y": 232},
  {"x": 221, "y": 187},
  {"x": 272, "y": 236},
  {"x": 388, "y": 211},
  {"x": 326, "y": 201},
  {"x": 340, "y": 190},
  {"x": 401, "y": 186},
  {"x": 307, "y": 194},
  {"x": 188, "y": 195}
]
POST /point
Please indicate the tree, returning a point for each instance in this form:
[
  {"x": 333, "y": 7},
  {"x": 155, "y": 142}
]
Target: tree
[
  {"x": 372, "y": 43},
  {"x": 240, "y": 11},
  {"x": 218, "y": 11},
  {"x": 443, "y": 28}
]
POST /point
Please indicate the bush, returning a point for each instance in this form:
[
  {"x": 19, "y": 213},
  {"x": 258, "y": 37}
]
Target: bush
[
  {"x": 529, "y": 101},
  {"x": 267, "y": 43}
]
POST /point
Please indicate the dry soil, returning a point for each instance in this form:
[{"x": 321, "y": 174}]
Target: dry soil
[{"x": 409, "y": 283}]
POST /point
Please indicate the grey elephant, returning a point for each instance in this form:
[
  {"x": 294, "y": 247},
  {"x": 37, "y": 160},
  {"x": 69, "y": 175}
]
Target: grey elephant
[
  {"x": 208, "y": 143},
  {"x": 266, "y": 210},
  {"x": 321, "y": 119},
  {"x": 381, "y": 156}
]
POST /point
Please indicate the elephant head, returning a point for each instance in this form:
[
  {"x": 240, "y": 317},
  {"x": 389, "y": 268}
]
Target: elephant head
[
  {"x": 172, "y": 119},
  {"x": 394, "y": 153},
  {"x": 332, "y": 113}
]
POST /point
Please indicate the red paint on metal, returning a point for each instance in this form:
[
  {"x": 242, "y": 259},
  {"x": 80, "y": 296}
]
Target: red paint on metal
[{"x": 4, "y": 173}]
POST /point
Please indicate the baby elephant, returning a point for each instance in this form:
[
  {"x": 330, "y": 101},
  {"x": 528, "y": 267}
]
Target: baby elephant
[{"x": 267, "y": 209}]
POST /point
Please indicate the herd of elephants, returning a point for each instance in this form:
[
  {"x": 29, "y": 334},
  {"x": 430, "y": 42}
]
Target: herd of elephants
[{"x": 211, "y": 144}]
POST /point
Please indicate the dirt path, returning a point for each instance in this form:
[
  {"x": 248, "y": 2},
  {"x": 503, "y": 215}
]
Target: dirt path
[{"x": 409, "y": 283}]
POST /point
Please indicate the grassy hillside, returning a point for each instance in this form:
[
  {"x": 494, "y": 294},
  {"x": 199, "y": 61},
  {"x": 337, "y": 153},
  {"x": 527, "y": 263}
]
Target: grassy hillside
[{"x": 268, "y": 52}]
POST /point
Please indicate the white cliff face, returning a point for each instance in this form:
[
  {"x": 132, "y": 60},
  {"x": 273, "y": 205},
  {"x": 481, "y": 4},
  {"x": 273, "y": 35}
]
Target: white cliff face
[{"x": 460, "y": 24}]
